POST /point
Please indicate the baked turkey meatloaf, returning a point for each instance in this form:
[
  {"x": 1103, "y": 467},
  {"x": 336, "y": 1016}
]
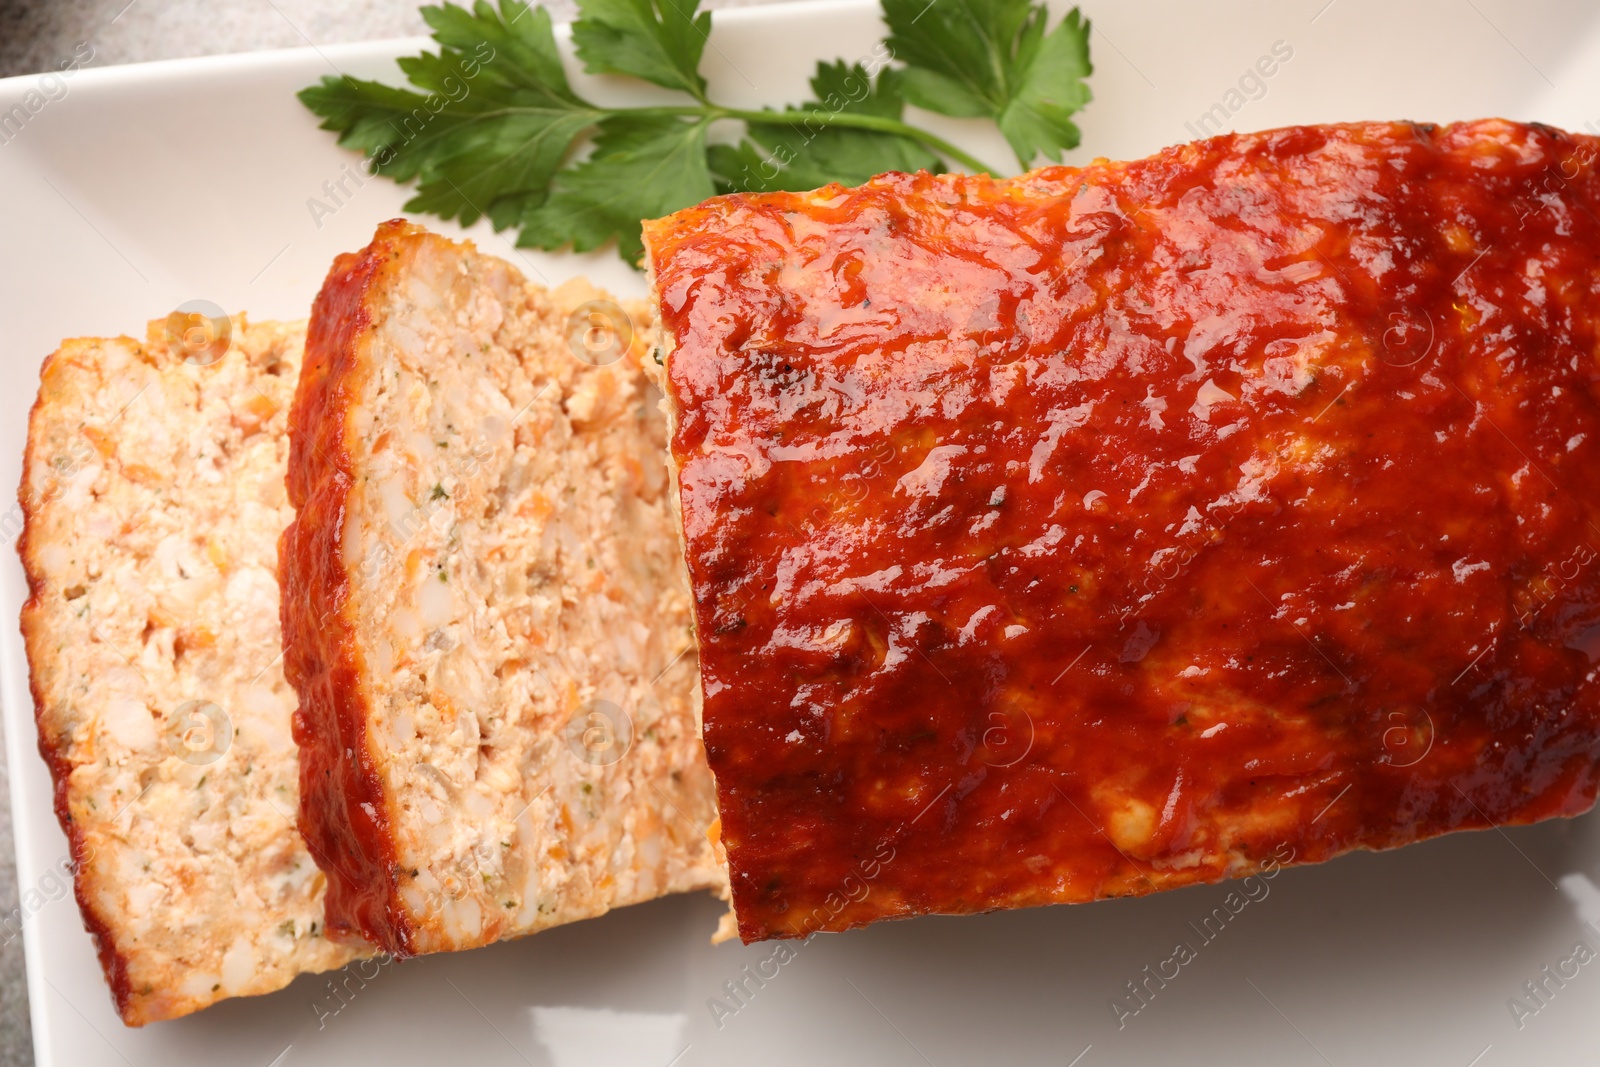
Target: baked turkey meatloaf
[
  {"x": 153, "y": 496},
  {"x": 485, "y": 614},
  {"x": 1113, "y": 528}
]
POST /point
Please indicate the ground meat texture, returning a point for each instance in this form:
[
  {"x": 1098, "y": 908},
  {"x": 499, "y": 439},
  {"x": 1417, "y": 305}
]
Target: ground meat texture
[
  {"x": 486, "y": 617},
  {"x": 153, "y": 489}
]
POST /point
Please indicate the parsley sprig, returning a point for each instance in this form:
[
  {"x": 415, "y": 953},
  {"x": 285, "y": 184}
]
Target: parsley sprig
[{"x": 493, "y": 128}]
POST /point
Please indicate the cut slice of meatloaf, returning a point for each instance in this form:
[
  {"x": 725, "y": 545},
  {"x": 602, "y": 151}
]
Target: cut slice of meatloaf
[
  {"x": 153, "y": 495},
  {"x": 1114, "y": 528},
  {"x": 484, "y": 611}
]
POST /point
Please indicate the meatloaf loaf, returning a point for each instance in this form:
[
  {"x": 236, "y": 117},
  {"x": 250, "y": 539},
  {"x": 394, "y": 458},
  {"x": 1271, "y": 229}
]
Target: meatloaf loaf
[{"x": 1114, "y": 528}]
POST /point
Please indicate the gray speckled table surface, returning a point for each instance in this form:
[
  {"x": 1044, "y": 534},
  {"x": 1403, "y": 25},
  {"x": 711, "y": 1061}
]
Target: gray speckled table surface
[{"x": 34, "y": 34}]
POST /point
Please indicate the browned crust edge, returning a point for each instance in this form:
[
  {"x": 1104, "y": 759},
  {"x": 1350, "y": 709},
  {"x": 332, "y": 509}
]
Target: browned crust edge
[{"x": 344, "y": 813}]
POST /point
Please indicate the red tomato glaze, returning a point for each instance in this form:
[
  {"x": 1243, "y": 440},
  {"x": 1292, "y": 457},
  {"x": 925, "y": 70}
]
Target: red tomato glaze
[
  {"x": 1111, "y": 529},
  {"x": 342, "y": 816}
]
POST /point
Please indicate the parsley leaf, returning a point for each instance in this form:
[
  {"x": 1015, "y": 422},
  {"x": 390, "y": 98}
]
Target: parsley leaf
[
  {"x": 641, "y": 168},
  {"x": 814, "y": 151},
  {"x": 495, "y": 123},
  {"x": 994, "y": 58},
  {"x": 651, "y": 39},
  {"x": 491, "y": 127}
]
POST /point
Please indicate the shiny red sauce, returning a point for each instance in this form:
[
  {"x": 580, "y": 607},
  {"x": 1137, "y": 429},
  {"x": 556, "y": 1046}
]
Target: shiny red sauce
[
  {"x": 343, "y": 813},
  {"x": 1111, "y": 529}
]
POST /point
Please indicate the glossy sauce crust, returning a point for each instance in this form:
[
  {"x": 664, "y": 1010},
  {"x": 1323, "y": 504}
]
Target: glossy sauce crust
[
  {"x": 343, "y": 813},
  {"x": 1110, "y": 529}
]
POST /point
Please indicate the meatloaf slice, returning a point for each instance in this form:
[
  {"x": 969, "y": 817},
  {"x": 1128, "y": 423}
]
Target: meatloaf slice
[
  {"x": 153, "y": 495},
  {"x": 484, "y": 611}
]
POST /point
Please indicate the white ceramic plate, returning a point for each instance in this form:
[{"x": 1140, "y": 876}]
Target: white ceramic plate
[{"x": 146, "y": 186}]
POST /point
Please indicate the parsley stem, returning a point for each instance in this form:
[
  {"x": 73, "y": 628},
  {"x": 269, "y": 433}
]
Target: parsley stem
[
  {"x": 822, "y": 119},
  {"x": 855, "y": 120}
]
